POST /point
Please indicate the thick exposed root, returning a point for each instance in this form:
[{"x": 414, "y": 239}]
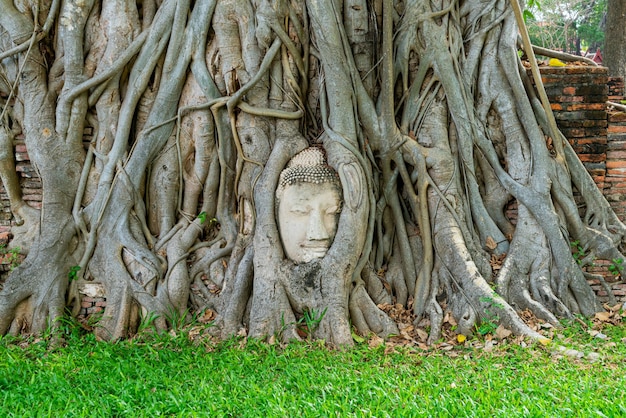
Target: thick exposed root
[
  {"x": 33, "y": 297},
  {"x": 367, "y": 317}
]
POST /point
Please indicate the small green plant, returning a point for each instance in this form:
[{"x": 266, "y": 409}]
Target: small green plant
[
  {"x": 492, "y": 300},
  {"x": 616, "y": 268},
  {"x": 307, "y": 324},
  {"x": 578, "y": 252},
  {"x": 147, "y": 322},
  {"x": 177, "y": 320},
  {"x": 488, "y": 326},
  {"x": 73, "y": 273},
  {"x": 204, "y": 218},
  {"x": 489, "y": 323},
  {"x": 312, "y": 319}
]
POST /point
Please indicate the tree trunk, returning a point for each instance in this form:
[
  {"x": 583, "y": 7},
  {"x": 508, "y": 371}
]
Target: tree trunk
[
  {"x": 615, "y": 39},
  {"x": 425, "y": 124}
]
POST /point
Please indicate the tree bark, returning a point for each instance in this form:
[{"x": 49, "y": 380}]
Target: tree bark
[
  {"x": 615, "y": 39},
  {"x": 422, "y": 109}
]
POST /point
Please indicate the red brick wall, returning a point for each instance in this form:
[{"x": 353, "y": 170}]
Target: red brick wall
[{"x": 579, "y": 98}]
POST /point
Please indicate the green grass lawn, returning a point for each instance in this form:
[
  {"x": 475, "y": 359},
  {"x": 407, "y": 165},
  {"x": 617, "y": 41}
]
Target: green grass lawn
[{"x": 173, "y": 376}]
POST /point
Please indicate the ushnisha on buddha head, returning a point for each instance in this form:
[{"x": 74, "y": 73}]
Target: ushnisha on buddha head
[{"x": 309, "y": 199}]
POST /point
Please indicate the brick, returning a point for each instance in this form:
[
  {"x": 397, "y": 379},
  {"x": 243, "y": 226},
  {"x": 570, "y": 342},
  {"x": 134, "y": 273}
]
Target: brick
[
  {"x": 617, "y": 117},
  {"x": 570, "y": 124},
  {"x": 593, "y": 90},
  {"x": 574, "y": 133},
  {"x": 616, "y": 129},
  {"x": 31, "y": 184},
  {"x": 593, "y": 158},
  {"x": 24, "y": 168},
  {"x": 568, "y": 99},
  {"x": 586, "y": 106},
  {"x": 569, "y": 91},
  {"x": 594, "y": 132},
  {"x": 614, "y": 155},
  {"x": 600, "y": 98},
  {"x": 596, "y": 169},
  {"x": 616, "y": 164},
  {"x": 601, "y": 123},
  {"x": 599, "y": 141},
  {"x": 616, "y": 145},
  {"x": 581, "y": 115},
  {"x": 32, "y": 197}
]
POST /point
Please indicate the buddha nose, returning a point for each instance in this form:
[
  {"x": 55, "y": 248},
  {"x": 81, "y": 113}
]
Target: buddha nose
[{"x": 317, "y": 230}]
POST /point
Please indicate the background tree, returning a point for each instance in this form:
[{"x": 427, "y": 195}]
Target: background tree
[
  {"x": 423, "y": 109},
  {"x": 615, "y": 54},
  {"x": 572, "y": 26}
]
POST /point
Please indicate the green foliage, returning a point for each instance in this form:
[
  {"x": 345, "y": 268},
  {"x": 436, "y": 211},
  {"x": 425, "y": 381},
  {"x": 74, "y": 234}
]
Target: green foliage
[
  {"x": 232, "y": 378},
  {"x": 312, "y": 320},
  {"x": 616, "y": 268},
  {"x": 487, "y": 326},
  {"x": 578, "y": 252},
  {"x": 11, "y": 256},
  {"x": 530, "y": 5},
  {"x": 567, "y": 24},
  {"x": 203, "y": 218},
  {"x": 73, "y": 273},
  {"x": 489, "y": 320}
]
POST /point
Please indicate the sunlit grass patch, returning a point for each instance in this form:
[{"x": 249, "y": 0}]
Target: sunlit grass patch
[{"x": 174, "y": 376}]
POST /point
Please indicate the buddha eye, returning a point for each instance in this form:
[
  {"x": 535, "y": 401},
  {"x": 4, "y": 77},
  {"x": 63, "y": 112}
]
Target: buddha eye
[
  {"x": 334, "y": 210},
  {"x": 299, "y": 210}
]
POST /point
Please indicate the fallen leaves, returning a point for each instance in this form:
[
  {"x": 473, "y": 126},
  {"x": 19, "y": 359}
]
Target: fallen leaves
[
  {"x": 375, "y": 341},
  {"x": 450, "y": 342},
  {"x": 502, "y": 333},
  {"x": 496, "y": 262},
  {"x": 207, "y": 316}
]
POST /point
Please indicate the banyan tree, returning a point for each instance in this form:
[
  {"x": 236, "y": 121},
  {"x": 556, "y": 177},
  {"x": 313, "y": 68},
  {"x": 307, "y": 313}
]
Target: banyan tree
[{"x": 274, "y": 160}]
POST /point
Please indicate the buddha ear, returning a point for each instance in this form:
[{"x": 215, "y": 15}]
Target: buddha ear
[{"x": 351, "y": 181}]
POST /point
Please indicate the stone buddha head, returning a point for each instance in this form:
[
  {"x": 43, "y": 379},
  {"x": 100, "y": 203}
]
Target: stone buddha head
[{"x": 309, "y": 199}]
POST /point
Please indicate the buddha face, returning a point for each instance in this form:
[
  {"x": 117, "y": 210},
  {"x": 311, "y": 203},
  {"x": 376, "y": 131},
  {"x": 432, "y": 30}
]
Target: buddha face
[{"x": 308, "y": 214}]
